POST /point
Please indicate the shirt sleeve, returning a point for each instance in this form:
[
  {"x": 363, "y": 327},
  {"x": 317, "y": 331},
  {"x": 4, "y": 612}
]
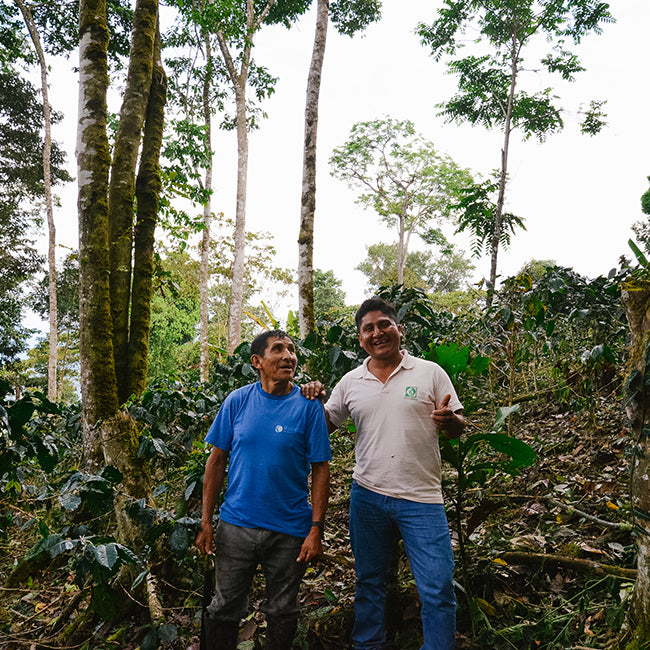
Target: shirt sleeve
[
  {"x": 318, "y": 442},
  {"x": 337, "y": 409},
  {"x": 220, "y": 433},
  {"x": 442, "y": 386}
]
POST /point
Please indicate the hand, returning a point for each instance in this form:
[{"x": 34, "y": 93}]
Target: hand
[
  {"x": 449, "y": 424},
  {"x": 313, "y": 390},
  {"x": 205, "y": 539},
  {"x": 312, "y": 547}
]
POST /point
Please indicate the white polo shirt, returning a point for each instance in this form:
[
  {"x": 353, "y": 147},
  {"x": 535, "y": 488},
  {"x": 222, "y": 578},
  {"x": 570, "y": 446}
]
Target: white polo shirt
[{"x": 397, "y": 452}]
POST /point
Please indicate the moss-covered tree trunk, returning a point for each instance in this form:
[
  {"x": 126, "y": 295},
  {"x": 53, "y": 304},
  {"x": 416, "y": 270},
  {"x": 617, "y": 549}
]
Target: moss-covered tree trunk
[
  {"x": 122, "y": 185},
  {"x": 636, "y": 301},
  {"x": 308, "y": 201},
  {"x": 98, "y": 384},
  {"x": 148, "y": 188},
  {"x": 110, "y": 435}
]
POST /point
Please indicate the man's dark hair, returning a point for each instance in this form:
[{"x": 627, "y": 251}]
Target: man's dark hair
[
  {"x": 375, "y": 304},
  {"x": 258, "y": 346}
]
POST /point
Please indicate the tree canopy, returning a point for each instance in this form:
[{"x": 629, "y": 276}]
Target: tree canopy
[{"x": 401, "y": 176}]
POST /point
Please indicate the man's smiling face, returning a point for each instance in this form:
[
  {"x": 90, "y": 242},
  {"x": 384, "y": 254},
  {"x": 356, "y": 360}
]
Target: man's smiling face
[
  {"x": 279, "y": 362},
  {"x": 380, "y": 336}
]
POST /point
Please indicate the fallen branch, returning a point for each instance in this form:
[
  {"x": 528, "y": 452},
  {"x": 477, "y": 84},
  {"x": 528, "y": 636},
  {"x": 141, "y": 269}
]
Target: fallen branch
[
  {"x": 566, "y": 507},
  {"x": 578, "y": 564},
  {"x": 155, "y": 607},
  {"x": 603, "y": 522}
]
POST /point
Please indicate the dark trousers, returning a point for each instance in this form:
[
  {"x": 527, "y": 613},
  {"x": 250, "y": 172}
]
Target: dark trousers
[{"x": 239, "y": 551}]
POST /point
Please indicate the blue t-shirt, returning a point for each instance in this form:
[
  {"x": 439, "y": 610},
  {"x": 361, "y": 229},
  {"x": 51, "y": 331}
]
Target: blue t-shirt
[{"x": 272, "y": 440}]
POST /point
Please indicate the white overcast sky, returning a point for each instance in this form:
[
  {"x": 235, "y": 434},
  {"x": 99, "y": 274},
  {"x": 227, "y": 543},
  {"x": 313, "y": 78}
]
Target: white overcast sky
[{"x": 579, "y": 195}]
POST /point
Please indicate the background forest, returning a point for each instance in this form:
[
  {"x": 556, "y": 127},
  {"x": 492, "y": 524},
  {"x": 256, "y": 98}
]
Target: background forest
[{"x": 125, "y": 321}]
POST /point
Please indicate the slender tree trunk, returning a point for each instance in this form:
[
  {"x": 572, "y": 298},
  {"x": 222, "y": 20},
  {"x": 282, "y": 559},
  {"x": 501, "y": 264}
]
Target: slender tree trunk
[
  {"x": 503, "y": 177},
  {"x": 63, "y": 365},
  {"x": 307, "y": 318},
  {"x": 239, "y": 259},
  {"x": 207, "y": 221},
  {"x": 52, "y": 388},
  {"x": 98, "y": 384},
  {"x": 636, "y": 301},
  {"x": 401, "y": 255},
  {"x": 239, "y": 80},
  {"x": 122, "y": 185},
  {"x": 148, "y": 188}
]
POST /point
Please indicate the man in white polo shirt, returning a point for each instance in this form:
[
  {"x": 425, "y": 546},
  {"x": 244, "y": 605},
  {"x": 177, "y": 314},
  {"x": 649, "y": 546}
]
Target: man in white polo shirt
[{"x": 398, "y": 404}]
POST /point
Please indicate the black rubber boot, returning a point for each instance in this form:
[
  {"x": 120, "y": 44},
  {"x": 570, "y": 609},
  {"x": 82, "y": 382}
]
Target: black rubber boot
[
  {"x": 218, "y": 635},
  {"x": 280, "y": 633}
]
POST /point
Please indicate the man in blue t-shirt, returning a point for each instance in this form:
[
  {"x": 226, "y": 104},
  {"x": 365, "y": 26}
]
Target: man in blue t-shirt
[{"x": 274, "y": 437}]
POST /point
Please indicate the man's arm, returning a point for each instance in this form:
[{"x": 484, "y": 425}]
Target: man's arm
[
  {"x": 215, "y": 470},
  {"x": 312, "y": 547}
]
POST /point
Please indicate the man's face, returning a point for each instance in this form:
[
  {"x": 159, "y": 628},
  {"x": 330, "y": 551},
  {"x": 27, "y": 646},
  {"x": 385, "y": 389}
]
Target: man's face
[
  {"x": 379, "y": 335},
  {"x": 279, "y": 361}
]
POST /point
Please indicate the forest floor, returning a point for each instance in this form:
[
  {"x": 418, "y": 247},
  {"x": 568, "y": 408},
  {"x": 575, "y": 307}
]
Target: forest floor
[{"x": 535, "y": 572}]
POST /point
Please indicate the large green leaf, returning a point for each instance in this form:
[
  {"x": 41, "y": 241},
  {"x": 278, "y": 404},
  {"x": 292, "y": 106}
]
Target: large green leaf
[
  {"x": 106, "y": 555},
  {"x": 522, "y": 454},
  {"x": 453, "y": 358}
]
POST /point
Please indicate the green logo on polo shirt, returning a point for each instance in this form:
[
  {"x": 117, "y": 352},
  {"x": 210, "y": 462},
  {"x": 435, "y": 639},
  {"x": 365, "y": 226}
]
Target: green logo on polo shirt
[{"x": 411, "y": 392}]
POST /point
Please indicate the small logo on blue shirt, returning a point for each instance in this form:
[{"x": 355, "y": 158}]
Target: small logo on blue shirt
[{"x": 279, "y": 428}]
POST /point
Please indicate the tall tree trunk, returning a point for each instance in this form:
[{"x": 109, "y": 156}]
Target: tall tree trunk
[
  {"x": 307, "y": 318},
  {"x": 98, "y": 384},
  {"x": 204, "y": 364},
  {"x": 636, "y": 301},
  {"x": 52, "y": 386},
  {"x": 148, "y": 188},
  {"x": 239, "y": 258},
  {"x": 111, "y": 436},
  {"x": 239, "y": 80},
  {"x": 122, "y": 185},
  {"x": 503, "y": 177},
  {"x": 401, "y": 253}
]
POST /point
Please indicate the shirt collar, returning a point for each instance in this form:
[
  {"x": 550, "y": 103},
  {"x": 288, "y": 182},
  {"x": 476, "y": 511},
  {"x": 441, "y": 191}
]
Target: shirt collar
[{"x": 406, "y": 363}]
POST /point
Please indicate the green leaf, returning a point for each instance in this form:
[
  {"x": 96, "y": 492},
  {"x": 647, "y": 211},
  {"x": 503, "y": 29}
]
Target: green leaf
[
  {"x": 334, "y": 333},
  {"x": 503, "y": 414},
  {"x": 638, "y": 253},
  {"x": 70, "y": 501},
  {"x": 167, "y": 633},
  {"x": 139, "y": 578},
  {"x": 522, "y": 454},
  {"x": 179, "y": 541},
  {"x": 63, "y": 546},
  {"x": 334, "y": 354},
  {"x": 330, "y": 596},
  {"x": 111, "y": 474},
  {"x": 479, "y": 365},
  {"x": 106, "y": 555},
  {"x": 150, "y": 641},
  {"x": 453, "y": 358}
]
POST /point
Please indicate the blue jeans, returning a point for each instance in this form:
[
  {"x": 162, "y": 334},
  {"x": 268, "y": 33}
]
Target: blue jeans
[
  {"x": 238, "y": 552},
  {"x": 424, "y": 529}
]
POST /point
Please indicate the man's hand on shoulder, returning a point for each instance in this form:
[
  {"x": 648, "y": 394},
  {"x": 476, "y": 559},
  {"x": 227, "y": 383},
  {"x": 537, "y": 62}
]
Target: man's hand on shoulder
[
  {"x": 449, "y": 423},
  {"x": 313, "y": 390}
]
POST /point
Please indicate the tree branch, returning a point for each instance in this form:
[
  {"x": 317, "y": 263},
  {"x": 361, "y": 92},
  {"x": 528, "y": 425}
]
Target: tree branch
[{"x": 578, "y": 564}]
